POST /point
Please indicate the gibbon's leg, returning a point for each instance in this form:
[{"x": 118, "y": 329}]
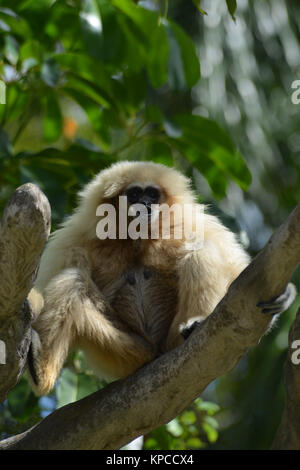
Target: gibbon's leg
[
  {"x": 75, "y": 309},
  {"x": 53, "y": 333}
]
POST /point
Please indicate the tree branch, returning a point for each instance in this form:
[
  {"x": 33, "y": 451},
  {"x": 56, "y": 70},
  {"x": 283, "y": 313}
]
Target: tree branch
[
  {"x": 162, "y": 389},
  {"x": 24, "y": 230},
  {"x": 288, "y": 433}
]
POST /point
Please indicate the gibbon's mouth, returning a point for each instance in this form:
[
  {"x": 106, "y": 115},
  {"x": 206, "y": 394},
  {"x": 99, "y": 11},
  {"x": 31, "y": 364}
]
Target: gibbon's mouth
[{"x": 135, "y": 210}]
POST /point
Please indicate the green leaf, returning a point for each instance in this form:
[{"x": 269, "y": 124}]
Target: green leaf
[
  {"x": 157, "y": 53},
  {"x": 159, "y": 152},
  {"x": 16, "y": 101},
  {"x": 87, "y": 68},
  {"x": 194, "y": 443},
  {"x": 50, "y": 72},
  {"x": 18, "y": 26},
  {"x": 112, "y": 33},
  {"x": 176, "y": 72},
  {"x": 212, "y": 143},
  {"x": 31, "y": 48},
  {"x": 21, "y": 401},
  {"x": 52, "y": 118},
  {"x": 188, "y": 417},
  {"x": 231, "y": 5},
  {"x": 92, "y": 109},
  {"x": 91, "y": 25},
  {"x": 87, "y": 89},
  {"x": 5, "y": 145},
  {"x": 162, "y": 437},
  {"x": 188, "y": 55},
  {"x": 209, "y": 407},
  {"x": 212, "y": 434},
  {"x": 197, "y": 4},
  {"x": 148, "y": 38},
  {"x": 11, "y": 49}
]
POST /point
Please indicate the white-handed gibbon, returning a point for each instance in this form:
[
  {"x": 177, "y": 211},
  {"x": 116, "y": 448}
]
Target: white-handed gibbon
[{"x": 125, "y": 301}]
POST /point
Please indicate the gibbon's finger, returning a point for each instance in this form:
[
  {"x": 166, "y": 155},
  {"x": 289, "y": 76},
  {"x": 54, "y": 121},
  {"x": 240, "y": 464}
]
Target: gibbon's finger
[
  {"x": 280, "y": 303},
  {"x": 187, "y": 328}
]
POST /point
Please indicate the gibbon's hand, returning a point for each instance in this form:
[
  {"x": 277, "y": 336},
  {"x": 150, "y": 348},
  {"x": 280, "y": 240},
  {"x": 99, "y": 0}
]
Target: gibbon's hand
[
  {"x": 188, "y": 328},
  {"x": 280, "y": 303}
]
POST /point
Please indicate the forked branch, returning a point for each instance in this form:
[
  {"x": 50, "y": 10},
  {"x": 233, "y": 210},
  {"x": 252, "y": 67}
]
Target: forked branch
[{"x": 162, "y": 389}]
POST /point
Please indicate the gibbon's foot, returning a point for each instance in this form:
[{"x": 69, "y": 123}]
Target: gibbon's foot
[
  {"x": 33, "y": 353},
  {"x": 280, "y": 303},
  {"x": 187, "y": 328}
]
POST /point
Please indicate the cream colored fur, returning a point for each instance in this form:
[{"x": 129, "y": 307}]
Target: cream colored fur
[{"x": 80, "y": 278}]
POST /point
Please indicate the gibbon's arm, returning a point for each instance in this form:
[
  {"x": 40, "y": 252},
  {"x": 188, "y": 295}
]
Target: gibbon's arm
[
  {"x": 75, "y": 311},
  {"x": 205, "y": 275}
]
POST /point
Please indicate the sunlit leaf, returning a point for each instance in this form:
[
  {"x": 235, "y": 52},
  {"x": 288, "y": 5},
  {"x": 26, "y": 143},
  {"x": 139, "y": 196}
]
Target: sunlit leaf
[
  {"x": 91, "y": 25},
  {"x": 175, "y": 428},
  {"x": 188, "y": 417},
  {"x": 209, "y": 407},
  {"x": 211, "y": 432},
  {"x": 194, "y": 443}
]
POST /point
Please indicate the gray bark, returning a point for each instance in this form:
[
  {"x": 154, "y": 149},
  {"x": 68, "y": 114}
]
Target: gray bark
[{"x": 24, "y": 230}]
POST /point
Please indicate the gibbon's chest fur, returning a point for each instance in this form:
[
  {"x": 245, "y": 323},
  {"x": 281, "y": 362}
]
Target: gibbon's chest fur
[{"x": 139, "y": 282}]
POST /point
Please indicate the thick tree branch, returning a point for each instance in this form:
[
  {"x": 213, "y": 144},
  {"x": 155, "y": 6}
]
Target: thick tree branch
[
  {"x": 288, "y": 434},
  {"x": 24, "y": 230},
  {"x": 161, "y": 390}
]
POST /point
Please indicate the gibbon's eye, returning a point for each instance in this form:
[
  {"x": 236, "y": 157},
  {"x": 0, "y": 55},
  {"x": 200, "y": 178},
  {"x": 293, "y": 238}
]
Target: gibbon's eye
[
  {"x": 134, "y": 194},
  {"x": 152, "y": 193}
]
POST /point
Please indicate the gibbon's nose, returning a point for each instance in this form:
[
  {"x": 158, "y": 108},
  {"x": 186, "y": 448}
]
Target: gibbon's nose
[
  {"x": 130, "y": 278},
  {"x": 148, "y": 207},
  {"x": 147, "y": 203}
]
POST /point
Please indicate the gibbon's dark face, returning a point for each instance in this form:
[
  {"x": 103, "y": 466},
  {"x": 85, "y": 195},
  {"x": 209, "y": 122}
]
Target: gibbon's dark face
[{"x": 147, "y": 195}]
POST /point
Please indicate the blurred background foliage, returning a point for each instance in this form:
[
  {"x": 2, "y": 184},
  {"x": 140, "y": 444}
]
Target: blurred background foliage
[{"x": 91, "y": 82}]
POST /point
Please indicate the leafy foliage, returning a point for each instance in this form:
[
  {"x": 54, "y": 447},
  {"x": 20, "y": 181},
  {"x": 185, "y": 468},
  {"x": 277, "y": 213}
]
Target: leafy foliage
[
  {"x": 193, "y": 429},
  {"x": 105, "y": 71}
]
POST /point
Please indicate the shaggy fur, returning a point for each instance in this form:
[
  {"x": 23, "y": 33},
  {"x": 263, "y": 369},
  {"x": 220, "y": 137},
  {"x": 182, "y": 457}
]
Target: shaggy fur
[{"x": 124, "y": 301}]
